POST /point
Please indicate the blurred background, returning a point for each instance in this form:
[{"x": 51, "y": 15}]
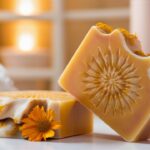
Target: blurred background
[{"x": 38, "y": 37}]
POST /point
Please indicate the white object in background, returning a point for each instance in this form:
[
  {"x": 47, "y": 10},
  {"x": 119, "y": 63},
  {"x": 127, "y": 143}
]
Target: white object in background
[
  {"x": 19, "y": 58},
  {"x": 6, "y": 84},
  {"x": 13, "y": 59},
  {"x": 140, "y": 21}
]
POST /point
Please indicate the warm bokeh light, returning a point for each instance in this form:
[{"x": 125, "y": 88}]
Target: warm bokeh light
[
  {"x": 41, "y": 31},
  {"x": 26, "y": 42},
  {"x": 26, "y": 7}
]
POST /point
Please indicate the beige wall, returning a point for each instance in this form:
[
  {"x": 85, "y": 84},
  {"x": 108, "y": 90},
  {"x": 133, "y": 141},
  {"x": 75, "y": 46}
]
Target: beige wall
[
  {"x": 92, "y": 4},
  {"x": 74, "y": 30}
]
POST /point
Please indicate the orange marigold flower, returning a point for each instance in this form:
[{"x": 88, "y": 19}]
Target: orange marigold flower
[{"x": 39, "y": 125}]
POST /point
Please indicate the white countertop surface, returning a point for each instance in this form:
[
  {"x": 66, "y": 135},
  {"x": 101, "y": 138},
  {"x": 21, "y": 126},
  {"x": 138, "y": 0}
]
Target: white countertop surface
[{"x": 103, "y": 138}]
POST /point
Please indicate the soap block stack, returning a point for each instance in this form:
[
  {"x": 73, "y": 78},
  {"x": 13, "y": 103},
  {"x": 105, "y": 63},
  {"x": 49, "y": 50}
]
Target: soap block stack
[{"x": 109, "y": 75}]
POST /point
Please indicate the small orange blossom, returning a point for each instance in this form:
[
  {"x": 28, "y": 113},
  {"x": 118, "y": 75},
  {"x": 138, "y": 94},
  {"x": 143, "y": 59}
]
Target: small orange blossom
[{"x": 39, "y": 124}]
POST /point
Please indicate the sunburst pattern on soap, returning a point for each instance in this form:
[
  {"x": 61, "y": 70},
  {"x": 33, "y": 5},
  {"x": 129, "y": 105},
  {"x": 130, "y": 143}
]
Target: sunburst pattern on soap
[{"x": 112, "y": 82}]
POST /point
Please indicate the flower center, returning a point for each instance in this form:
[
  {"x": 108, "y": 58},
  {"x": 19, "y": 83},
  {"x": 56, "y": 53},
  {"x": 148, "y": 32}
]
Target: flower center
[
  {"x": 44, "y": 126},
  {"x": 111, "y": 81}
]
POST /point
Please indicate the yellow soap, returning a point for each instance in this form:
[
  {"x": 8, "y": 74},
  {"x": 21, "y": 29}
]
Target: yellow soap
[
  {"x": 108, "y": 75},
  {"x": 74, "y": 118}
]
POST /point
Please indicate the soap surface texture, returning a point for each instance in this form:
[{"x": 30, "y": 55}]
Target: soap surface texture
[{"x": 107, "y": 77}]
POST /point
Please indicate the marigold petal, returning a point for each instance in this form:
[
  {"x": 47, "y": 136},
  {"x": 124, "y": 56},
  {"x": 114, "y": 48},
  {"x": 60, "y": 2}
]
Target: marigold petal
[
  {"x": 39, "y": 137},
  {"x": 28, "y": 132},
  {"x": 55, "y": 125},
  {"x": 50, "y": 115},
  {"x": 48, "y": 134},
  {"x": 28, "y": 120},
  {"x": 36, "y": 137},
  {"x": 27, "y": 126},
  {"x": 37, "y": 113}
]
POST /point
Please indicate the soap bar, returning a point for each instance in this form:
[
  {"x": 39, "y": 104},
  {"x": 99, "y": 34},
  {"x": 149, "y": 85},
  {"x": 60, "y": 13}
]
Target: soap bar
[
  {"x": 8, "y": 128},
  {"x": 74, "y": 118},
  {"x": 110, "y": 75}
]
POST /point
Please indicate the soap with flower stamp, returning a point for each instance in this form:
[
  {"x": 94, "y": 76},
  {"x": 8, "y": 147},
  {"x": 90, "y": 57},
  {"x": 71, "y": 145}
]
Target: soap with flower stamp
[{"x": 110, "y": 74}]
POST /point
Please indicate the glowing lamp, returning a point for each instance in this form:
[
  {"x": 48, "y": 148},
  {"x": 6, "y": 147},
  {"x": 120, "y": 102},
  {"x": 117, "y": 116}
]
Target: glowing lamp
[
  {"x": 25, "y": 7},
  {"x": 26, "y": 42}
]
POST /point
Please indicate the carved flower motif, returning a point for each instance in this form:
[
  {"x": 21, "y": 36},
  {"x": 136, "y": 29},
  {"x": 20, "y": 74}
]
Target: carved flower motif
[{"x": 111, "y": 82}]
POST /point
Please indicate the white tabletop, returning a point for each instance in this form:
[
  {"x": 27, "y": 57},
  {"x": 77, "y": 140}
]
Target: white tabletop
[{"x": 103, "y": 138}]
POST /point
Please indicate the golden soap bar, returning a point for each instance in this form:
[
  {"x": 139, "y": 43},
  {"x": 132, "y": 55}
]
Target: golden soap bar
[
  {"x": 110, "y": 75},
  {"x": 74, "y": 119}
]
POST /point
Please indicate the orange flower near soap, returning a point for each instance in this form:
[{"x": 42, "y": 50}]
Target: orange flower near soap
[
  {"x": 39, "y": 124},
  {"x": 110, "y": 75},
  {"x": 42, "y": 115}
]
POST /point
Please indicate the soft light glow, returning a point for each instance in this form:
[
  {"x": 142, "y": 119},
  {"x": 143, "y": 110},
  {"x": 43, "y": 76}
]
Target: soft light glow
[
  {"x": 26, "y": 42},
  {"x": 25, "y": 7}
]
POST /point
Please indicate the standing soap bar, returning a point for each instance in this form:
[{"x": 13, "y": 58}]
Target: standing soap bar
[{"x": 110, "y": 75}]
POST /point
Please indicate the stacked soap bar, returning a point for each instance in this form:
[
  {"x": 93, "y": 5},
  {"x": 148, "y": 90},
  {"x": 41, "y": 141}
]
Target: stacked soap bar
[
  {"x": 110, "y": 75},
  {"x": 73, "y": 117}
]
